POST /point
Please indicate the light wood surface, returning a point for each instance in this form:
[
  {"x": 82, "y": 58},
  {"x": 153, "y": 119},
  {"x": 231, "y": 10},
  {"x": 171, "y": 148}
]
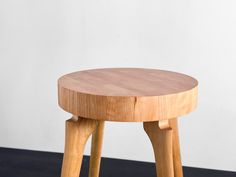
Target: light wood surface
[
  {"x": 96, "y": 150},
  {"x": 161, "y": 140},
  {"x": 155, "y": 97},
  {"x": 178, "y": 170},
  {"x": 127, "y": 94},
  {"x": 77, "y": 133}
]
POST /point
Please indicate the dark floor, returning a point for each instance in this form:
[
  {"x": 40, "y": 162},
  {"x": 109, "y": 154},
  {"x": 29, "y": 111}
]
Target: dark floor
[{"x": 24, "y": 163}]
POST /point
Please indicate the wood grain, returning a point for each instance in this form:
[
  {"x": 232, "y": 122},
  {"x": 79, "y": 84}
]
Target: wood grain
[
  {"x": 127, "y": 94},
  {"x": 178, "y": 170},
  {"x": 96, "y": 150},
  {"x": 161, "y": 140},
  {"x": 77, "y": 133}
]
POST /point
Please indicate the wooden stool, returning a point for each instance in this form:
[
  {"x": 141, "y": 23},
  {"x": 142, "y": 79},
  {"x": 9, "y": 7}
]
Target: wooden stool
[{"x": 155, "y": 97}]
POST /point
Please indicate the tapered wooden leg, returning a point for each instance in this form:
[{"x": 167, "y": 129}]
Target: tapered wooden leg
[
  {"x": 178, "y": 171},
  {"x": 162, "y": 144},
  {"x": 77, "y": 133},
  {"x": 96, "y": 150}
]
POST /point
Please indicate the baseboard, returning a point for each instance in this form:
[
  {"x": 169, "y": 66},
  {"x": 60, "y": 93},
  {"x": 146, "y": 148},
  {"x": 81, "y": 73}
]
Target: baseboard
[{"x": 27, "y": 163}]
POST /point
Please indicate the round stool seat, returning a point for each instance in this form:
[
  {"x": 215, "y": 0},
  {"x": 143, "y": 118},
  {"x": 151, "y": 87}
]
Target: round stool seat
[{"x": 127, "y": 94}]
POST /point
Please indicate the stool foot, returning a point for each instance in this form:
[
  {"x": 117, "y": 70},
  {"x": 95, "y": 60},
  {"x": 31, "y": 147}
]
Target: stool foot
[
  {"x": 96, "y": 149},
  {"x": 161, "y": 140},
  {"x": 77, "y": 134},
  {"x": 178, "y": 170}
]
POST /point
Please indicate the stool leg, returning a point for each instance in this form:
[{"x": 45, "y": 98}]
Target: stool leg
[
  {"x": 161, "y": 140},
  {"x": 96, "y": 150},
  {"x": 77, "y": 133},
  {"x": 178, "y": 171}
]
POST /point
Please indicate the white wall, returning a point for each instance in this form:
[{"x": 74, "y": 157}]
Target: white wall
[{"x": 41, "y": 40}]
